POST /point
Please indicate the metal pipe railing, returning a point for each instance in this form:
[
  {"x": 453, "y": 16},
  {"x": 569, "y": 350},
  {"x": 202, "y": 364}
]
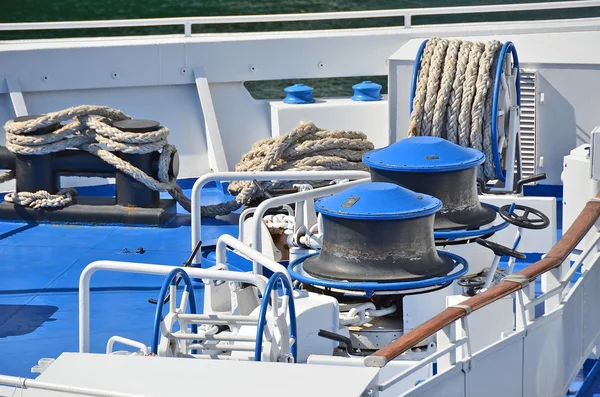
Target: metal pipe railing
[
  {"x": 143, "y": 268},
  {"x": 407, "y": 14},
  {"x": 258, "y": 176},
  {"x": 513, "y": 283}
]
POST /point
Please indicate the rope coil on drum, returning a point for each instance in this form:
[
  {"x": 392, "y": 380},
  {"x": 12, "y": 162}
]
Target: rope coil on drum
[
  {"x": 304, "y": 148},
  {"x": 453, "y": 94}
]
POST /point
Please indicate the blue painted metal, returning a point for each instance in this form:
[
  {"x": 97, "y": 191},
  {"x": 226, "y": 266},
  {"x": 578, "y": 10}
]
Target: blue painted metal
[
  {"x": 378, "y": 201},
  {"x": 367, "y": 91},
  {"x": 415, "y": 73},
  {"x": 456, "y": 234},
  {"x": 423, "y": 154},
  {"x": 591, "y": 384},
  {"x": 262, "y": 315},
  {"x": 508, "y": 46},
  {"x": 39, "y": 277},
  {"x": 158, "y": 316},
  {"x": 40, "y": 267},
  {"x": 296, "y": 272},
  {"x": 298, "y": 94}
]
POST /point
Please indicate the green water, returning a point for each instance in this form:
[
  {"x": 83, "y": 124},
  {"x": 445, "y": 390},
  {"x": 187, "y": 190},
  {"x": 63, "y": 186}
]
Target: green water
[
  {"x": 71, "y": 10},
  {"x": 68, "y": 10}
]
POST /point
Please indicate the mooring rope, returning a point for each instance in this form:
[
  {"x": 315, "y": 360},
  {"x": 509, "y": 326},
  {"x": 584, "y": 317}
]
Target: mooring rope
[
  {"x": 305, "y": 148},
  {"x": 453, "y": 97}
]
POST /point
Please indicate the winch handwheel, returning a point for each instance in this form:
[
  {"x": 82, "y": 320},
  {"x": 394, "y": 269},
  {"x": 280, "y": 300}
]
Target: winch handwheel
[
  {"x": 188, "y": 297},
  {"x": 508, "y": 213},
  {"x": 500, "y": 250}
]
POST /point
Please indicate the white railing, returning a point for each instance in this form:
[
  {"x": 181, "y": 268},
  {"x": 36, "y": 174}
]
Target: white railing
[
  {"x": 407, "y": 14},
  {"x": 565, "y": 281},
  {"x": 525, "y": 325},
  {"x": 299, "y": 197},
  {"x": 258, "y": 176}
]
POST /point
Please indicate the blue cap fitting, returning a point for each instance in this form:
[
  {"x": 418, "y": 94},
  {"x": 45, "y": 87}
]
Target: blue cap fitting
[
  {"x": 367, "y": 91},
  {"x": 298, "y": 94},
  {"x": 423, "y": 154},
  {"x": 378, "y": 201}
]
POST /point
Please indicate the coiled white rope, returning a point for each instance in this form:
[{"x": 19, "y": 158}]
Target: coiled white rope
[
  {"x": 363, "y": 314},
  {"x": 453, "y": 97},
  {"x": 89, "y": 130},
  {"x": 304, "y": 148}
]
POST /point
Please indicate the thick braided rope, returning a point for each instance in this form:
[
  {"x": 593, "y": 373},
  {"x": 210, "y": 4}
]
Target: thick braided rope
[
  {"x": 484, "y": 83},
  {"x": 433, "y": 84},
  {"x": 443, "y": 95},
  {"x": 453, "y": 109},
  {"x": 305, "y": 148},
  {"x": 89, "y": 131},
  {"x": 469, "y": 87},
  {"x": 42, "y": 199},
  {"x": 454, "y": 94}
]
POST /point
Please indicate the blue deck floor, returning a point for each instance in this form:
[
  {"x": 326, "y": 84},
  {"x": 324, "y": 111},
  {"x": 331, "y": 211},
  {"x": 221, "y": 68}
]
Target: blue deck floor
[{"x": 39, "y": 275}]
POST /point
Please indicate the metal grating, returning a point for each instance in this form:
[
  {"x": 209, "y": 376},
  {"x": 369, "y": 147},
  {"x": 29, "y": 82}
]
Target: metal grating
[{"x": 527, "y": 122}]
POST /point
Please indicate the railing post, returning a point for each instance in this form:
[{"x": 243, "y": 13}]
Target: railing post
[
  {"x": 523, "y": 316},
  {"x": 552, "y": 279},
  {"x": 407, "y": 20},
  {"x": 187, "y": 29}
]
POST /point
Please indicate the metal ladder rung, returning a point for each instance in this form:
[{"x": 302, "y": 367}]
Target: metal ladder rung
[
  {"x": 224, "y": 336},
  {"x": 217, "y": 319},
  {"x": 220, "y": 346}
]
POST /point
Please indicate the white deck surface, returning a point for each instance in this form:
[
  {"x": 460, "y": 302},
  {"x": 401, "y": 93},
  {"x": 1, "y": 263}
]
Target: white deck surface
[{"x": 162, "y": 377}]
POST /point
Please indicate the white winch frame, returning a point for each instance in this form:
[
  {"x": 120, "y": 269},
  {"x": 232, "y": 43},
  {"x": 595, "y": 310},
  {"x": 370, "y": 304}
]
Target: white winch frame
[
  {"x": 273, "y": 350},
  {"x": 259, "y": 176},
  {"x": 301, "y": 198}
]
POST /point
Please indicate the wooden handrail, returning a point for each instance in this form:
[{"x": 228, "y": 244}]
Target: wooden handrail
[{"x": 557, "y": 254}]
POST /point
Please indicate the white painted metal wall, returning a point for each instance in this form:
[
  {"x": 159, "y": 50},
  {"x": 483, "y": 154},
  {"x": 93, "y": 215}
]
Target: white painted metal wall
[
  {"x": 154, "y": 77},
  {"x": 538, "y": 361}
]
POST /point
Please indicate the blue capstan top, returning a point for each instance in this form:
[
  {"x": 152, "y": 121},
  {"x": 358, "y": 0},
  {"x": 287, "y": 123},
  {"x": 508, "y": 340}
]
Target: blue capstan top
[
  {"x": 367, "y": 91},
  {"x": 298, "y": 94},
  {"x": 423, "y": 154},
  {"x": 378, "y": 201}
]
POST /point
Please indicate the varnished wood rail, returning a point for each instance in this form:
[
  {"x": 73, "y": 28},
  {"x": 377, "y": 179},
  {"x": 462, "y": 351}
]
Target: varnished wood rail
[{"x": 513, "y": 283}]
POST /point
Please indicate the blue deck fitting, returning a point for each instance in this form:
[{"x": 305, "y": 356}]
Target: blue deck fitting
[
  {"x": 458, "y": 234},
  {"x": 367, "y": 91},
  {"x": 41, "y": 265},
  {"x": 423, "y": 154},
  {"x": 299, "y": 94},
  {"x": 461, "y": 268},
  {"x": 378, "y": 201}
]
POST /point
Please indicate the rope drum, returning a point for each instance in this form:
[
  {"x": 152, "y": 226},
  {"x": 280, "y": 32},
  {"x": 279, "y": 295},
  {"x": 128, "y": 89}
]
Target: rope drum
[{"x": 455, "y": 87}]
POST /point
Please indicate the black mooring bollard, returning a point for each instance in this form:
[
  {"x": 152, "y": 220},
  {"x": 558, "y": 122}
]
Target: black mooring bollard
[
  {"x": 34, "y": 172},
  {"x": 131, "y": 193},
  {"x": 136, "y": 203}
]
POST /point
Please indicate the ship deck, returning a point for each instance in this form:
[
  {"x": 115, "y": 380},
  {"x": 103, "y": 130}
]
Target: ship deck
[{"x": 39, "y": 276}]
